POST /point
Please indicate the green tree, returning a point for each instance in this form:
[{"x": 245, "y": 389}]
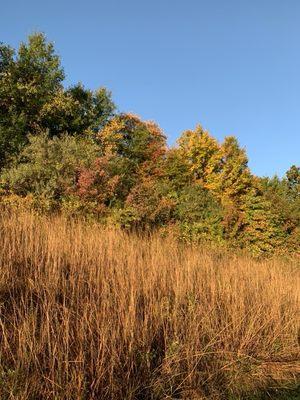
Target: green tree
[
  {"x": 262, "y": 230},
  {"x": 33, "y": 99},
  {"x": 28, "y": 81},
  {"x": 200, "y": 214},
  {"x": 177, "y": 169},
  {"x": 48, "y": 168},
  {"x": 6, "y": 58},
  {"x": 77, "y": 111},
  {"x": 282, "y": 194},
  {"x": 293, "y": 178}
]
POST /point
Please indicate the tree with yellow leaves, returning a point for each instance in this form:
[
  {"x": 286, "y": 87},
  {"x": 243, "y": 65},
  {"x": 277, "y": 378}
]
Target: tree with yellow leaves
[
  {"x": 135, "y": 148},
  {"x": 234, "y": 178},
  {"x": 203, "y": 155}
]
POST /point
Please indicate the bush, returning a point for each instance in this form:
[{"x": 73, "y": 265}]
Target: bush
[
  {"x": 48, "y": 168},
  {"x": 200, "y": 215}
]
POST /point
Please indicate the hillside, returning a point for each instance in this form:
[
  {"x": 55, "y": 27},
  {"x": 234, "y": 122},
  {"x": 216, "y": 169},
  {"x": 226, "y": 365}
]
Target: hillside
[{"x": 89, "y": 312}]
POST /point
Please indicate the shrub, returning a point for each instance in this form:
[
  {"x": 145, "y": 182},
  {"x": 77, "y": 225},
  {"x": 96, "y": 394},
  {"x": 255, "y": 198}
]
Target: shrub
[{"x": 48, "y": 168}]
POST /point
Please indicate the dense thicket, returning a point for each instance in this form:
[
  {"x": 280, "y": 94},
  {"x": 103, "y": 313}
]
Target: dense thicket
[{"x": 68, "y": 150}]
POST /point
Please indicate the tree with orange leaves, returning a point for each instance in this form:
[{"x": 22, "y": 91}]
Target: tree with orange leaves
[{"x": 133, "y": 148}]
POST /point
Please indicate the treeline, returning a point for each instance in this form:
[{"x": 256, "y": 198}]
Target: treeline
[{"x": 68, "y": 150}]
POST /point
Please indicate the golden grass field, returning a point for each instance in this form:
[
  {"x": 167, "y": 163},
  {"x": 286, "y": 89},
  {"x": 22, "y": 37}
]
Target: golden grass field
[{"x": 89, "y": 312}]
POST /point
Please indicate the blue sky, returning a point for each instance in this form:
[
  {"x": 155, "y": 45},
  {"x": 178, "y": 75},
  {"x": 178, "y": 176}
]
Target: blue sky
[{"x": 231, "y": 65}]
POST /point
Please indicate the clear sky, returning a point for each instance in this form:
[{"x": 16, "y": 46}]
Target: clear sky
[{"x": 231, "y": 65}]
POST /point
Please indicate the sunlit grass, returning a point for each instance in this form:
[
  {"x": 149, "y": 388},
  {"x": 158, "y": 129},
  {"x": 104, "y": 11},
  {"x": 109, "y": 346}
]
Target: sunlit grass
[{"x": 95, "y": 313}]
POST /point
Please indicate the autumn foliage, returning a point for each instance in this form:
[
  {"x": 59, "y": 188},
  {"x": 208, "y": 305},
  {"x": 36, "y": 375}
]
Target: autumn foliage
[
  {"x": 66, "y": 150},
  {"x": 127, "y": 268}
]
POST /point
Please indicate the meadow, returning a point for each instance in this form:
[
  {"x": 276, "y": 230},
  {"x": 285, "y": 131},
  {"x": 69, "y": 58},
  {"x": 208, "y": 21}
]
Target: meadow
[{"x": 88, "y": 312}]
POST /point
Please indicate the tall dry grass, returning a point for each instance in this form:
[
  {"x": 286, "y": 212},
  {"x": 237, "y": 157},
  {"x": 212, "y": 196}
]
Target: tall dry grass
[{"x": 93, "y": 313}]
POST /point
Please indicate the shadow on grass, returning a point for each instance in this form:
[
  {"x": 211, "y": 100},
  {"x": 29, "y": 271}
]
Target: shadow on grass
[{"x": 287, "y": 394}]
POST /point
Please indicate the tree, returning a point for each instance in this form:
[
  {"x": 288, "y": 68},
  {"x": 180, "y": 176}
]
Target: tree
[
  {"x": 203, "y": 155},
  {"x": 97, "y": 186},
  {"x": 149, "y": 203},
  {"x": 177, "y": 169},
  {"x": 94, "y": 108},
  {"x": 222, "y": 169},
  {"x": 293, "y": 178},
  {"x": 77, "y": 111},
  {"x": 286, "y": 205},
  {"x": 27, "y": 82},
  {"x": 234, "y": 178},
  {"x": 135, "y": 148},
  {"x": 33, "y": 99},
  {"x": 30, "y": 81},
  {"x": 6, "y": 58},
  {"x": 200, "y": 214},
  {"x": 49, "y": 168},
  {"x": 261, "y": 227},
  {"x": 231, "y": 183}
]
